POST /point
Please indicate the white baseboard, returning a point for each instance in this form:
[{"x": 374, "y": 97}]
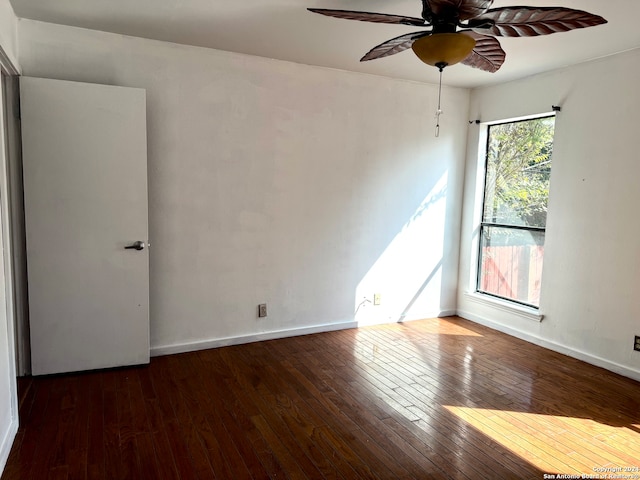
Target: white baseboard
[
  {"x": 7, "y": 443},
  {"x": 257, "y": 337},
  {"x": 556, "y": 347}
]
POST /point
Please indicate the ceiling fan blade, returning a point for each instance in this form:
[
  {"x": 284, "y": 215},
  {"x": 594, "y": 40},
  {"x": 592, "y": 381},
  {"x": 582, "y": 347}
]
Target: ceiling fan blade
[
  {"x": 463, "y": 9},
  {"x": 534, "y": 21},
  {"x": 393, "y": 46},
  {"x": 487, "y": 55},
  {"x": 369, "y": 17}
]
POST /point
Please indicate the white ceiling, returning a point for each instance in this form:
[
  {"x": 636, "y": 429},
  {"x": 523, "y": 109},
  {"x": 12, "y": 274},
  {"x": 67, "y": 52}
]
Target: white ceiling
[{"x": 285, "y": 30}]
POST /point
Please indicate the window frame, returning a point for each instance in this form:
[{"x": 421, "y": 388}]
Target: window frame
[{"x": 482, "y": 224}]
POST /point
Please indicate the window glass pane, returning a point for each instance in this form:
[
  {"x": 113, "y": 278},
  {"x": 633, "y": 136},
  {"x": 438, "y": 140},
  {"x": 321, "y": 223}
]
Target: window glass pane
[
  {"x": 518, "y": 169},
  {"x": 511, "y": 264}
]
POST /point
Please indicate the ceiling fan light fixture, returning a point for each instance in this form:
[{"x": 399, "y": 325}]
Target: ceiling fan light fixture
[{"x": 443, "y": 49}]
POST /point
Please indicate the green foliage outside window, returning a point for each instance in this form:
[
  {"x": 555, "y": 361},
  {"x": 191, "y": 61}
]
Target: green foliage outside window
[{"x": 518, "y": 170}]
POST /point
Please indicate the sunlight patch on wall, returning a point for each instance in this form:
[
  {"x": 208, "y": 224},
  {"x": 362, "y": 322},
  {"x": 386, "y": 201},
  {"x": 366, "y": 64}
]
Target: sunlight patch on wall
[
  {"x": 408, "y": 274},
  {"x": 556, "y": 444}
]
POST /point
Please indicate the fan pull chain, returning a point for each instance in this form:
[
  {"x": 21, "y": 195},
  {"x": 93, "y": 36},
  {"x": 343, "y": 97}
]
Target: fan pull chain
[{"x": 439, "y": 110}]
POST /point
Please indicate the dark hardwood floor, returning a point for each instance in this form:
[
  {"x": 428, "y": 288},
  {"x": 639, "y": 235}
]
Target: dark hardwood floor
[{"x": 441, "y": 398}]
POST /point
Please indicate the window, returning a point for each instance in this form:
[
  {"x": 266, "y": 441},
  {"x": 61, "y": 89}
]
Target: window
[{"x": 514, "y": 212}]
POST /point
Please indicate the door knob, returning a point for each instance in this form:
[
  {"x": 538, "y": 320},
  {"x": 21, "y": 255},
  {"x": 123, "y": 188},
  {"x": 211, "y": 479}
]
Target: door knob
[{"x": 139, "y": 245}]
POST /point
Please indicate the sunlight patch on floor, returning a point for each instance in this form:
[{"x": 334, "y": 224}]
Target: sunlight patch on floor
[
  {"x": 441, "y": 327},
  {"x": 557, "y": 444}
]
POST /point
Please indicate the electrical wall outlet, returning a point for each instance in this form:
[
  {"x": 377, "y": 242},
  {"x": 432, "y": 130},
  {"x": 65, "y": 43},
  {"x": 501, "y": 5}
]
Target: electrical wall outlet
[
  {"x": 262, "y": 310},
  {"x": 376, "y": 299},
  {"x": 636, "y": 343}
]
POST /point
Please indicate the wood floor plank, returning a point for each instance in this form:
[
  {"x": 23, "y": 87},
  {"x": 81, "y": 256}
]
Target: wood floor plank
[
  {"x": 185, "y": 415},
  {"x": 78, "y": 453},
  {"x": 164, "y": 455},
  {"x": 127, "y": 432},
  {"x": 272, "y": 418},
  {"x": 113, "y": 461},
  {"x": 282, "y": 453},
  {"x": 297, "y": 421},
  {"x": 437, "y": 399},
  {"x": 226, "y": 418},
  {"x": 326, "y": 412},
  {"x": 46, "y": 447},
  {"x": 403, "y": 418},
  {"x": 439, "y": 429},
  {"x": 148, "y": 463},
  {"x": 167, "y": 396}
]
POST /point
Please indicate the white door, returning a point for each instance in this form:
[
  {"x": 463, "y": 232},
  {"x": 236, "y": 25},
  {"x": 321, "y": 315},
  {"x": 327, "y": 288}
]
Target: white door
[{"x": 84, "y": 153}]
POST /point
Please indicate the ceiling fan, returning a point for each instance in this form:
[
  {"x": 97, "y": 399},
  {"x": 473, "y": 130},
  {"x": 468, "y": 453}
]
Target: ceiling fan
[{"x": 465, "y": 30}]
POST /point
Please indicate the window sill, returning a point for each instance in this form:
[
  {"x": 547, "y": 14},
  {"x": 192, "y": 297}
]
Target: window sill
[{"x": 521, "y": 311}]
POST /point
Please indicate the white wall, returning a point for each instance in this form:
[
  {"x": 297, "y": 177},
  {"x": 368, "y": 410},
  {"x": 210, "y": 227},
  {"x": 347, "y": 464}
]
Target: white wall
[
  {"x": 302, "y": 187},
  {"x": 591, "y": 276},
  {"x": 8, "y": 32}
]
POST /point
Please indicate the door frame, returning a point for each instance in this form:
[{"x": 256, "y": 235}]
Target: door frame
[
  {"x": 13, "y": 231},
  {"x": 12, "y": 205},
  {"x": 9, "y": 74}
]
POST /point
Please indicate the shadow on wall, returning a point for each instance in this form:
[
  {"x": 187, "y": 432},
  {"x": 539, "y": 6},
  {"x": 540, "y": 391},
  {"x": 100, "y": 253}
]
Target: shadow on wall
[{"x": 408, "y": 274}]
